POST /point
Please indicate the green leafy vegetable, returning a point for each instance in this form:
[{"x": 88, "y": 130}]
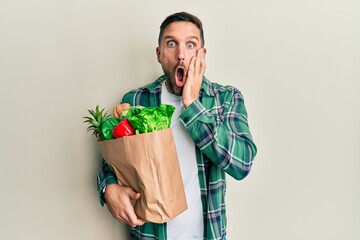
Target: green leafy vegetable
[{"x": 149, "y": 119}]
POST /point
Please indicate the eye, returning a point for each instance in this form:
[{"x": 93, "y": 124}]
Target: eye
[
  {"x": 171, "y": 44},
  {"x": 191, "y": 45}
]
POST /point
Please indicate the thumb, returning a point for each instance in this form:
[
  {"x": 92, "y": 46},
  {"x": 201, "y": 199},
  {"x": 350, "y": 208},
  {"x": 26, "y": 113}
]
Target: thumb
[
  {"x": 136, "y": 197},
  {"x": 133, "y": 195}
]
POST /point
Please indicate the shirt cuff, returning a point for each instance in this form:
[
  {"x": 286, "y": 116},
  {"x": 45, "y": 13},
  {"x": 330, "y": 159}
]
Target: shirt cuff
[
  {"x": 195, "y": 112},
  {"x": 102, "y": 185}
]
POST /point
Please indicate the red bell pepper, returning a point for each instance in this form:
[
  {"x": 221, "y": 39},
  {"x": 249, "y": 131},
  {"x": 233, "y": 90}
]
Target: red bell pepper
[{"x": 123, "y": 129}]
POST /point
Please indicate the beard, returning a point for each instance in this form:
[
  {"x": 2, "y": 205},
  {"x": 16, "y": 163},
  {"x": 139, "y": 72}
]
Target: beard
[
  {"x": 170, "y": 84},
  {"x": 175, "y": 79}
]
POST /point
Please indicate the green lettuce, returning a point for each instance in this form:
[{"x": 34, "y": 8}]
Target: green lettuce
[{"x": 150, "y": 119}]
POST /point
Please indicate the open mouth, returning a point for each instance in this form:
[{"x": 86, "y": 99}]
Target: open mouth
[{"x": 180, "y": 76}]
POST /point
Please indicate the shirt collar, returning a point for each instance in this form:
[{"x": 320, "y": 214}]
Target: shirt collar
[{"x": 205, "y": 85}]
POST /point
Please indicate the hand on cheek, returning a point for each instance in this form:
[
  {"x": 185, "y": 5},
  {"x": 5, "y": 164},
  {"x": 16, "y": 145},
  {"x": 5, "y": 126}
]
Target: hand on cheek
[{"x": 194, "y": 77}]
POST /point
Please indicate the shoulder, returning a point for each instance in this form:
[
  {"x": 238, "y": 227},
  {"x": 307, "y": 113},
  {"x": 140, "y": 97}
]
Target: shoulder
[
  {"x": 214, "y": 89},
  {"x": 133, "y": 97}
]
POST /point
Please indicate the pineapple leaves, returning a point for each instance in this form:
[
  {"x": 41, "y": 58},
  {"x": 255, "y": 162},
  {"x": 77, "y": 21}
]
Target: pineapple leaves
[{"x": 95, "y": 120}]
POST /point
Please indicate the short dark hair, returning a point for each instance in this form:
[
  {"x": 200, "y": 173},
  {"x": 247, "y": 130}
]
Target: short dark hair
[{"x": 185, "y": 17}]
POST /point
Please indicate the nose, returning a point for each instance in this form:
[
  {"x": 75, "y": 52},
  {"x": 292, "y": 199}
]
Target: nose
[{"x": 180, "y": 56}]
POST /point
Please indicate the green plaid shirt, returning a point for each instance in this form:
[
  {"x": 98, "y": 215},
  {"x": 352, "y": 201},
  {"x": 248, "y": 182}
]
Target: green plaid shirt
[{"x": 217, "y": 122}]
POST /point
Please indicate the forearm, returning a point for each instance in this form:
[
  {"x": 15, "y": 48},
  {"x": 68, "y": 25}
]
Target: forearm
[
  {"x": 232, "y": 152},
  {"x": 105, "y": 177},
  {"x": 222, "y": 135}
]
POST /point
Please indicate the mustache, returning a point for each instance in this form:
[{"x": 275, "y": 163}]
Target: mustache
[{"x": 180, "y": 64}]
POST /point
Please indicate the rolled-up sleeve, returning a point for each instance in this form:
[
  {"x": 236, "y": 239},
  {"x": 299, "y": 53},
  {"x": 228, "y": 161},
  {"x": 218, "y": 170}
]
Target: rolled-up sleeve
[
  {"x": 105, "y": 177},
  {"x": 219, "y": 127}
]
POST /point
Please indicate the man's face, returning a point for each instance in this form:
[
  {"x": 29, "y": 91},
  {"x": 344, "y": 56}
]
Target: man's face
[{"x": 178, "y": 45}]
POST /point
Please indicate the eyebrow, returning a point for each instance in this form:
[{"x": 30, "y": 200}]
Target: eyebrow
[{"x": 172, "y": 37}]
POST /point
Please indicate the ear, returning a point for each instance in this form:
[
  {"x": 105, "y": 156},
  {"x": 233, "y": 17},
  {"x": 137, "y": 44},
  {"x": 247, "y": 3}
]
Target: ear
[{"x": 158, "y": 54}]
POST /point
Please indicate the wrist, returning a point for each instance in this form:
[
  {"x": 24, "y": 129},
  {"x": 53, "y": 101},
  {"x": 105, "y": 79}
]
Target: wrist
[
  {"x": 107, "y": 189},
  {"x": 187, "y": 103}
]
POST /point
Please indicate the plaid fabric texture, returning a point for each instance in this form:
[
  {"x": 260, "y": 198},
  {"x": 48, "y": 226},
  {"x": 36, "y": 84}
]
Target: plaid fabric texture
[{"x": 217, "y": 122}]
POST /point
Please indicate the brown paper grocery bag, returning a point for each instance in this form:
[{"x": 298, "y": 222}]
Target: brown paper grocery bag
[{"x": 148, "y": 163}]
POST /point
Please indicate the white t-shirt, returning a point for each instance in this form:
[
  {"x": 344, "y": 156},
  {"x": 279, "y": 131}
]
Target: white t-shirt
[{"x": 189, "y": 224}]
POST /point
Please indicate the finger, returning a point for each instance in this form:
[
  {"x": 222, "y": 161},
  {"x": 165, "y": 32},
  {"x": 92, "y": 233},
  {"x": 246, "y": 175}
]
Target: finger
[
  {"x": 204, "y": 51},
  {"x": 121, "y": 217},
  {"x": 124, "y": 219},
  {"x": 198, "y": 61},
  {"x": 137, "y": 196},
  {"x": 115, "y": 112},
  {"x": 133, "y": 220},
  {"x": 127, "y": 215},
  {"x": 191, "y": 66},
  {"x": 132, "y": 194},
  {"x": 140, "y": 222},
  {"x": 202, "y": 63},
  {"x": 118, "y": 109},
  {"x": 124, "y": 106}
]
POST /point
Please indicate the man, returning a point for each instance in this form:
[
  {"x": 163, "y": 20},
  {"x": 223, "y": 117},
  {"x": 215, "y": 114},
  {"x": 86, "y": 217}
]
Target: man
[{"x": 210, "y": 130}]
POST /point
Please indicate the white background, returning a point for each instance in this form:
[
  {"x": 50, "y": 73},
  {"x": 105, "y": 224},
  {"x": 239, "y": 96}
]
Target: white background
[{"x": 296, "y": 63}]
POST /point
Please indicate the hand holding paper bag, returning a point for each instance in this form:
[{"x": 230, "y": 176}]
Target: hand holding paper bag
[{"x": 118, "y": 200}]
